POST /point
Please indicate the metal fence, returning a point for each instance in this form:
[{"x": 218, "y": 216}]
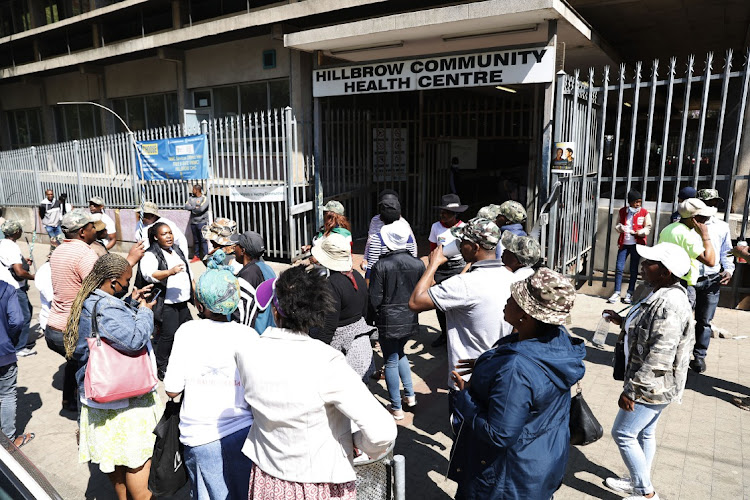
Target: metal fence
[{"x": 257, "y": 150}]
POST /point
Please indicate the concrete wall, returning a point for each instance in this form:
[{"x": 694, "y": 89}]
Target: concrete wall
[
  {"x": 144, "y": 76},
  {"x": 21, "y": 95},
  {"x": 235, "y": 62},
  {"x": 72, "y": 87}
]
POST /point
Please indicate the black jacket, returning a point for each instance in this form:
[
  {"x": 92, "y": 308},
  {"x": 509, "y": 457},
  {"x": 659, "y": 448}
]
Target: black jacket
[{"x": 392, "y": 281}]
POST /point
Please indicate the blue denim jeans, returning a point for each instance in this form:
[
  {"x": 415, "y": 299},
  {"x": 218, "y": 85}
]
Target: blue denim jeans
[
  {"x": 200, "y": 246},
  {"x": 8, "y": 377},
  {"x": 23, "y": 336},
  {"x": 635, "y": 435},
  {"x": 397, "y": 370},
  {"x": 53, "y": 231},
  {"x": 706, "y": 300},
  {"x": 219, "y": 469},
  {"x": 635, "y": 259}
]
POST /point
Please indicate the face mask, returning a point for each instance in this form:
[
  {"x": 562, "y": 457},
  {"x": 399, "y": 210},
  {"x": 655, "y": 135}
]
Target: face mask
[
  {"x": 121, "y": 293},
  {"x": 633, "y": 210}
]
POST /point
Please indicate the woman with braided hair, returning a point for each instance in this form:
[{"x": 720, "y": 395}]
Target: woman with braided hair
[{"x": 117, "y": 435}]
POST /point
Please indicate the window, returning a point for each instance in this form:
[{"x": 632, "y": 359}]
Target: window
[
  {"x": 249, "y": 98},
  {"x": 151, "y": 111},
  {"x": 25, "y": 128},
  {"x": 79, "y": 121},
  {"x": 14, "y": 17}
]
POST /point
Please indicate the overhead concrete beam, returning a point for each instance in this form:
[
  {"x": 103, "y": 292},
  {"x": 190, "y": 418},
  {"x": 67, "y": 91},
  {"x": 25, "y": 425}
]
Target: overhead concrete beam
[{"x": 171, "y": 54}]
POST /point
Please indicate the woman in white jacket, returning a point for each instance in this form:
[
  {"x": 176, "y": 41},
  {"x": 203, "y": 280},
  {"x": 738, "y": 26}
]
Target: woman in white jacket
[{"x": 304, "y": 398}]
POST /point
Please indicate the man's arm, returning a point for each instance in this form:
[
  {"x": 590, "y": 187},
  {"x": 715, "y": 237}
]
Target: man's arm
[
  {"x": 111, "y": 240},
  {"x": 708, "y": 257},
  {"x": 22, "y": 273},
  {"x": 725, "y": 257},
  {"x": 420, "y": 299}
]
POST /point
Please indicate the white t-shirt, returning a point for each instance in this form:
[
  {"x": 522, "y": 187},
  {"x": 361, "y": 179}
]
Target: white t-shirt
[
  {"x": 178, "y": 285},
  {"x": 441, "y": 235},
  {"x": 107, "y": 220},
  {"x": 202, "y": 365},
  {"x": 43, "y": 282},
  {"x": 7, "y": 277},
  {"x": 10, "y": 253},
  {"x": 473, "y": 303},
  {"x": 179, "y": 237}
]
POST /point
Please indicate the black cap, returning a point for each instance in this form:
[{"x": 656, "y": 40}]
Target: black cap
[
  {"x": 633, "y": 195},
  {"x": 250, "y": 241}
]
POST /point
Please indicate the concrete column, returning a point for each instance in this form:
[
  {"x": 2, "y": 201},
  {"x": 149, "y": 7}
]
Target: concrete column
[{"x": 300, "y": 93}]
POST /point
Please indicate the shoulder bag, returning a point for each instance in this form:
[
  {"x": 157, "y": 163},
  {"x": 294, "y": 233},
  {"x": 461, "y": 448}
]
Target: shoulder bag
[
  {"x": 112, "y": 375},
  {"x": 584, "y": 427},
  {"x": 168, "y": 473}
]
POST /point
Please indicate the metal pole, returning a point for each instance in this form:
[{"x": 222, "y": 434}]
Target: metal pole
[
  {"x": 77, "y": 158},
  {"x": 547, "y": 119},
  {"x": 35, "y": 164},
  {"x": 317, "y": 160},
  {"x": 134, "y": 169},
  {"x": 290, "y": 180},
  {"x": 399, "y": 472}
]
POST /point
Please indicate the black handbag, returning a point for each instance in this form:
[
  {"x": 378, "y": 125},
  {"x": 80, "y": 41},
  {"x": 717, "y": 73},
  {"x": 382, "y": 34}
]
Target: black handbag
[
  {"x": 584, "y": 427},
  {"x": 168, "y": 472},
  {"x": 618, "y": 365}
]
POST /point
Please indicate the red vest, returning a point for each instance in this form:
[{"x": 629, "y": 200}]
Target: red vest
[{"x": 639, "y": 221}]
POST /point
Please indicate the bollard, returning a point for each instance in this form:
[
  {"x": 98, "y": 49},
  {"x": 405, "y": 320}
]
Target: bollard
[{"x": 399, "y": 473}]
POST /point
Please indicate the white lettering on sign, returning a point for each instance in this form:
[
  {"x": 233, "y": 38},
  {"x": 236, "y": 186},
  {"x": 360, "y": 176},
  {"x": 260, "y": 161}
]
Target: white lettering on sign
[
  {"x": 184, "y": 149},
  {"x": 257, "y": 193},
  {"x": 505, "y": 67}
]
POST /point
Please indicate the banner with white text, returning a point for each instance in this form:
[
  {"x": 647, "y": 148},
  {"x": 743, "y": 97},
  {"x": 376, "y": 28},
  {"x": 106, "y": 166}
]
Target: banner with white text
[{"x": 181, "y": 158}]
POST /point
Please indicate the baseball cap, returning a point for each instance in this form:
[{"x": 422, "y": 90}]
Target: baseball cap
[
  {"x": 97, "y": 200},
  {"x": 547, "y": 296},
  {"x": 390, "y": 201},
  {"x": 686, "y": 192},
  {"x": 481, "y": 231},
  {"x": 693, "y": 206},
  {"x": 250, "y": 241},
  {"x": 710, "y": 194},
  {"x": 98, "y": 222},
  {"x": 526, "y": 249},
  {"x": 75, "y": 220},
  {"x": 149, "y": 207},
  {"x": 513, "y": 211},
  {"x": 672, "y": 256},
  {"x": 490, "y": 212},
  {"x": 333, "y": 206},
  {"x": 11, "y": 227}
]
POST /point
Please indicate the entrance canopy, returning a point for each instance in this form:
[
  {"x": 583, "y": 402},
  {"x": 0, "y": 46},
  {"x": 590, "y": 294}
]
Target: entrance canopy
[{"x": 459, "y": 28}]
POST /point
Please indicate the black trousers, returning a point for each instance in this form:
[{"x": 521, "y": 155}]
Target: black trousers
[
  {"x": 173, "y": 315},
  {"x": 54, "y": 339}
]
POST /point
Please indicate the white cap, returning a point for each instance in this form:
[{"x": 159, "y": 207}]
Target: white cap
[
  {"x": 693, "y": 206},
  {"x": 672, "y": 256},
  {"x": 396, "y": 234}
]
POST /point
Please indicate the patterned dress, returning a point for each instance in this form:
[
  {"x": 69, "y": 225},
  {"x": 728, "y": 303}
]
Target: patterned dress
[{"x": 266, "y": 487}]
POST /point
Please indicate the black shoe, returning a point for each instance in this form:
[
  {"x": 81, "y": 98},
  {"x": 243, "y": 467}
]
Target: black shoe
[
  {"x": 160, "y": 375},
  {"x": 441, "y": 340},
  {"x": 698, "y": 365}
]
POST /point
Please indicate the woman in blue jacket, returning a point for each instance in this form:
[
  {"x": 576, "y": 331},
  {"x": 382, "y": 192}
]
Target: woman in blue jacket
[{"x": 512, "y": 419}]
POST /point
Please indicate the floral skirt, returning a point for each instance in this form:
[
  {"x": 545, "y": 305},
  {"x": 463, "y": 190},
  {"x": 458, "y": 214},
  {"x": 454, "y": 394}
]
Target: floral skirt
[
  {"x": 120, "y": 437},
  {"x": 266, "y": 487}
]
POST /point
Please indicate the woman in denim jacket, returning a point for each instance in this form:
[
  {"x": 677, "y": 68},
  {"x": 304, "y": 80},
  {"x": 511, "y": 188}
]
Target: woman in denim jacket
[{"x": 117, "y": 435}]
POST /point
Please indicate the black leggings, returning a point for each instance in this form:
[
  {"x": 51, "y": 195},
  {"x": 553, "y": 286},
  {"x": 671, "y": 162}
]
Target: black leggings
[
  {"x": 54, "y": 340},
  {"x": 173, "y": 315}
]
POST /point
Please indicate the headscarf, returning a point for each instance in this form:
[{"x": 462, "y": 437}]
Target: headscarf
[{"x": 218, "y": 289}]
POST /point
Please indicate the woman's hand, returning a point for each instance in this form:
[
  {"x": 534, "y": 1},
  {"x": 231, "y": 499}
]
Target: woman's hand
[
  {"x": 626, "y": 403},
  {"x": 612, "y": 317},
  {"x": 140, "y": 293},
  {"x": 179, "y": 268},
  {"x": 467, "y": 365},
  {"x": 306, "y": 248},
  {"x": 142, "y": 302},
  {"x": 460, "y": 383},
  {"x": 363, "y": 265}
]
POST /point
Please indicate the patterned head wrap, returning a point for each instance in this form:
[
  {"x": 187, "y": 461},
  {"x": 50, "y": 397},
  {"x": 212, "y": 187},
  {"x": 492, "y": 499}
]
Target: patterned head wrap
[{"x": 218, "y": 289}]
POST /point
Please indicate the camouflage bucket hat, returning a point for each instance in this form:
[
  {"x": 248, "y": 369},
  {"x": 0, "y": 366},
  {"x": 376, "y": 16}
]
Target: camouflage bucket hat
[
  {"x": 481, "y": 231},
  {"x": 546, "y": 296},
  {"x": 220, "y": 230},
  {"x": 489, "y": 212},
  {"x": 75, "y": 220},
  {"x": 148, "y": 207},
  {"x": 513, "y": 211},
  {"x": 526, "y": 249},
  {"x": 333, "y": 206},
  {"x": 710, "y": 194},
  {"x": 11, "y": 227}
]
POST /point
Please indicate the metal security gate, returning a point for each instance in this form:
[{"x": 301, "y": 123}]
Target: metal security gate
[{"x": 655, "y": 135}]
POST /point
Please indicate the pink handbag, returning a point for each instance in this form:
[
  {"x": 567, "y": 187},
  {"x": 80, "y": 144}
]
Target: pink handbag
[{"x": 112, "y": 375}]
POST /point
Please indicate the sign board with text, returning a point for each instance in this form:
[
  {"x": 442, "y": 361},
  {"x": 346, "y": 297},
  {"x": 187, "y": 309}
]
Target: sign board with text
[
  {"x": 503, "y": 67},
  {"x": 255, "y": 194},
  {"x": 179, "y": 158}
]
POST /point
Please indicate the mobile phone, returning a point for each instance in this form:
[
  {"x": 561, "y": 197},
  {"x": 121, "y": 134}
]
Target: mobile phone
[{"x": 155, "y": 295}]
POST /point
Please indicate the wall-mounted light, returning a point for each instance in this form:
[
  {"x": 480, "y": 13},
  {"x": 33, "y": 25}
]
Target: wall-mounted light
[
  {"x": 528, "y": 28},
  {"x": 363, "y": 48},
  {"x": 628, "y": 105},
  {"x": 506, "y": 89}
]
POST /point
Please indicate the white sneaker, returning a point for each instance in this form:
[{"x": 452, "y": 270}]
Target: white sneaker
[
  {"x": 619, "y": 484},
  {"x": 641, "y": 497},
  {"x": 397, "y": 414},
  {"x": 628, "y": 299},
  {"x": 410, "y": 401},
  {"x": 614, "y": 298},
  {"x": 26, "y": 352}
]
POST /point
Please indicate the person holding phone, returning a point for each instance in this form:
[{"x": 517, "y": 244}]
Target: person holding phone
[{"x": 166, "y": 267}]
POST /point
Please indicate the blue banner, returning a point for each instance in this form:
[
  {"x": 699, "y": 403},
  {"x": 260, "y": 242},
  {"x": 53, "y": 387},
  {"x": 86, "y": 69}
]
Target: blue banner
[{"x": 182, "y": 158}]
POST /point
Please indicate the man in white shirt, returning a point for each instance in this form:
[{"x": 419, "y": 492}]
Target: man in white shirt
[
  {"x": 474, "y": 315},
  {"x": 18, "y": 266},
  {"x": 149, "y": 213},
  {"x": 710, "y": 280},
  {"x": 52, "y": 210},
  {"x": 96, "y": 206}
]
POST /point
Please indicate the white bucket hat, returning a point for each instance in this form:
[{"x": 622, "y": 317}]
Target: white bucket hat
[
  {"x": 335, "y": 253},
  {"x": 396, "y": 234},
  {"x": 672, "y": 256}
]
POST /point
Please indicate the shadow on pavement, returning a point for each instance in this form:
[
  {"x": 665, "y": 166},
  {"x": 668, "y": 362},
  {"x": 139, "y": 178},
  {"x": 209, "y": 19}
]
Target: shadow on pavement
[
  {"x": 577, "y": 462},
  {"x": 421, "y": 459},
  {"x": 715, "y": 387},
  {"x": 26, "y": 404}
]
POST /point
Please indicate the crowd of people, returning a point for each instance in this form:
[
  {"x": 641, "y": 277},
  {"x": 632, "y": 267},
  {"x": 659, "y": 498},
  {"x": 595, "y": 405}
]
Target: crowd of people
[{"x": 273, "y": 374}]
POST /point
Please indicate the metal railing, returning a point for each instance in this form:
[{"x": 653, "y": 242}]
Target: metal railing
[{"x": 256, "y": 150}]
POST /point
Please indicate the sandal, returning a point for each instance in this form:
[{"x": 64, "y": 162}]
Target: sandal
[
  {"x": 742, "y": 403},
  {"x": 25, "y": 439}
]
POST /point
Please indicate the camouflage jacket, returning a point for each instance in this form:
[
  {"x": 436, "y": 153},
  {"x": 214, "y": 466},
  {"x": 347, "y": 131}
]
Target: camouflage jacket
[{"x": 660, "y": 338}]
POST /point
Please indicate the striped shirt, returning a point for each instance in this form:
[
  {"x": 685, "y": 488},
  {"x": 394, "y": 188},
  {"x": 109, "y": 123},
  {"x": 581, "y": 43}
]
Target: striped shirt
[
  {"x": 375, "y": 247},
  {"x": 71, "y": 262}
]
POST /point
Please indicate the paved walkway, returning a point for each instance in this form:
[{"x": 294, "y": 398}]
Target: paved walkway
[{"x": 703, "y": 444}]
